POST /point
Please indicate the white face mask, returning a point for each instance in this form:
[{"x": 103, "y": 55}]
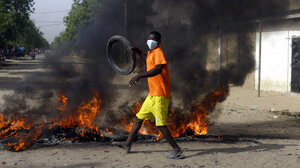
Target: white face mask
[{"x": 152, "y": 44}]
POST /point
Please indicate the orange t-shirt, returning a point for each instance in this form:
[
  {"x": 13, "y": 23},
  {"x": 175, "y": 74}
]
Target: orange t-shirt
[{"x": 159, "y": 85}]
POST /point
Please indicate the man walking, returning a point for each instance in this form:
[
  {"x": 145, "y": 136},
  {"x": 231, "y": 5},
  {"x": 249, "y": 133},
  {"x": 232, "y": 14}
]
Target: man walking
[{"x": 155, "y": 107}]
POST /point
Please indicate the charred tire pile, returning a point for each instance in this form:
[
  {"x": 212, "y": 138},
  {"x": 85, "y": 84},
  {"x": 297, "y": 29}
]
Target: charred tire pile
[{"x": 127, "y": 45}]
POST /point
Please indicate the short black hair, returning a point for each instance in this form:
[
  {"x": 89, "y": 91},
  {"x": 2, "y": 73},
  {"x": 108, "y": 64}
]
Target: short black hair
[{"x": 157, "y": 35}]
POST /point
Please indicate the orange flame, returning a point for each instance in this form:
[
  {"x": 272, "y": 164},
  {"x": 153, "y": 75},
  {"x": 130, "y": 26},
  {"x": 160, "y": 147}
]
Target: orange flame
[
  {"x": 3, "y": 121},
  {"x": 87, "y": 111},
  {"x": 196, "y": 122},
  {"x": 28, "y": 139},
  {"x": 83, "y": 118},
  {"x": 10, "y": 128}
]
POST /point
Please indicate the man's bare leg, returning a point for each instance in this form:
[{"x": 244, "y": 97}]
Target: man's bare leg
[
  {"x": 166, "y": 133},
  {"x": 134, "y": 130}
]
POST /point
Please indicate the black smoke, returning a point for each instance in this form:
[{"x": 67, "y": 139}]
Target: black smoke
[{"x": 190, "y": 39}]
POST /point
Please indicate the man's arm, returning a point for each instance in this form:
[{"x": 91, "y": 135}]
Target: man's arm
[
  {"x": 153, "y": 72},
  {"x": 139, "y": 52}
]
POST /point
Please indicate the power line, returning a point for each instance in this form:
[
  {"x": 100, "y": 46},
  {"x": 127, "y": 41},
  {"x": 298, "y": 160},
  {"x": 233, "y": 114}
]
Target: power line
[
  {"x": 51, "y": 12},
  {"x": 50, "y": 25},
  {"x": 42, "y": 21}
]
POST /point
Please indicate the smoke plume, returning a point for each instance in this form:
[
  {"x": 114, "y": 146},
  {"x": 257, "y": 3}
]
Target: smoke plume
[{"x": 191, "y": 32}]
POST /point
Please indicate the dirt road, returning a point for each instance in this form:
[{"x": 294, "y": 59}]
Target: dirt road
[{"x": 254, "y": 132}]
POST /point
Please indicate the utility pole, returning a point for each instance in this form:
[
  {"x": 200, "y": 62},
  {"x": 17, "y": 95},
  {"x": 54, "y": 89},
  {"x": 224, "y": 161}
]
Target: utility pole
[
  {"x": 259, "y": 59},
  {"x": 220, "y": 34},
  {"x": 125, "y": 18},
  {"x": 220, "y": 47},
  {"x": 125, "y": 30}
]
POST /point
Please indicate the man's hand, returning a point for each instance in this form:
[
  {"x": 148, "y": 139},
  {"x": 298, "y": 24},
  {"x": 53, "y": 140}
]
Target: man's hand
[
  {"x": 138, "y": 51},
  {"x": 134, "y": 49},
  {"x": 153, "y": 72},
  {"x": 134, "y": 80}
]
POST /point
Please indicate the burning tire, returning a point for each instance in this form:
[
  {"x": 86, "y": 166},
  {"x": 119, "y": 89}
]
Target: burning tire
[{"x": 126, "y": 44}]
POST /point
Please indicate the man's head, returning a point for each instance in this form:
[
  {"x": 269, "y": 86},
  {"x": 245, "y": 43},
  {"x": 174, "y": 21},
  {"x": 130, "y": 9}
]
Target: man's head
[
  {"x": 155, "y": 35},
  {"x": 154, "y": 40}
]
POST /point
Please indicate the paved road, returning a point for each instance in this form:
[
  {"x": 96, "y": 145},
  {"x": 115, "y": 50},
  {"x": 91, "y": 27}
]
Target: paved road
[
  {"x": 25, "y": 74},
  {"x": 14, "y": 75}
]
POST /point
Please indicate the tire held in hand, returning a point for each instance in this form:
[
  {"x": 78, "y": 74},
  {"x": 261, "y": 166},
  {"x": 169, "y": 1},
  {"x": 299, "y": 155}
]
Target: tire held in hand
[{"x": 114, "y": 39}]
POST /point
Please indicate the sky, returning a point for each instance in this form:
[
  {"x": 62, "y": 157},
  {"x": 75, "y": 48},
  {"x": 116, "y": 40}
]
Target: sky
[{"x": 48, "y": 16}]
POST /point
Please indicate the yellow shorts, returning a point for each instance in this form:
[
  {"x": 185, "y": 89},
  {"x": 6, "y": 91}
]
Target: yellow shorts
[{"x": 155, "y": 108}]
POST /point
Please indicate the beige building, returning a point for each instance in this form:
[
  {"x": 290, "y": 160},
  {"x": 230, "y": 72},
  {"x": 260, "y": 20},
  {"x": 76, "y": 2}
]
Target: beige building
[{"x": 280, "y": 53}]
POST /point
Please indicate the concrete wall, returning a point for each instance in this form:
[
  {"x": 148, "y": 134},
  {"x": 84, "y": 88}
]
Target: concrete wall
[
  {"x": 276, "y": 54},
  {"x": 231, "y": 54},
  {"x": 250, "y": 81},
  {"x": 275, "y": 60},
  {"x": 294, "y": 4}
]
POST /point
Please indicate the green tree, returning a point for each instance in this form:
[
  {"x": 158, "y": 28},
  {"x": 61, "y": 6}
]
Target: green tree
[
  {"x": 80, "y": 15},
  {"x": 32, "y": 37},
  {"x": 14, "y": 16},
  {"x": 16, "y": 28}
]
